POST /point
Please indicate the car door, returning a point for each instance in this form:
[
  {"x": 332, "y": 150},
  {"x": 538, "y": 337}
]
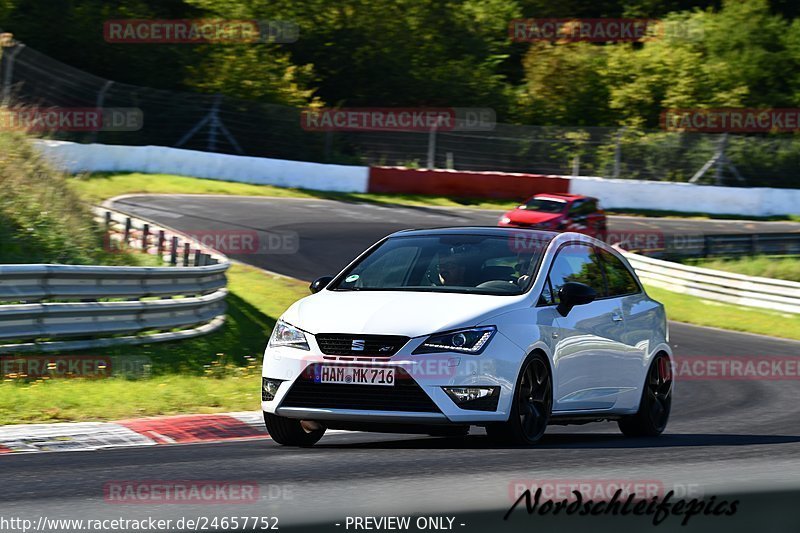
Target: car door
[
  {"x": 588, "y": 348},
  {"x": 576, "y": 219},
  {"x": 641, "y": 318},
  {"x": 592, "y": 217}
]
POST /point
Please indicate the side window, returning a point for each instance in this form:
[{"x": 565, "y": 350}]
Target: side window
[
  {"x": 583, "y": 207},
  {"x": 588, "y": 207},
  {"x": 546, "y": 298},
  {"x": 620, "y": 280},
  {"x": 576, "y": 262}
]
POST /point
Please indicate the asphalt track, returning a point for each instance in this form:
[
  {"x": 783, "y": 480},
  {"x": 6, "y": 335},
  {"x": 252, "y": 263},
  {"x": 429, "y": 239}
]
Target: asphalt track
[
  {"x": 330, "y": 233},
  {"x": 724, "y": 438}
]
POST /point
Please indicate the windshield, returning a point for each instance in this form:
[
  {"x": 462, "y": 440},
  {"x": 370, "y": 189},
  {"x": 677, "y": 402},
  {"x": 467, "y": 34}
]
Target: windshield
[
  {"x": 544, "y": 205},
  {"x": 480, "y": 264}
]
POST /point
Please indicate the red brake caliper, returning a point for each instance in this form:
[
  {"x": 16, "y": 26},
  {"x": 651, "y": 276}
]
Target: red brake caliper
[{"x": 664, "y": 370}]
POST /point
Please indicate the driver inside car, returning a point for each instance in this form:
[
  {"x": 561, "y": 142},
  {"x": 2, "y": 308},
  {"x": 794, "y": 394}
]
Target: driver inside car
[
  {"x": 452, "y": 271},
  {"x": 455, "y": 263}
]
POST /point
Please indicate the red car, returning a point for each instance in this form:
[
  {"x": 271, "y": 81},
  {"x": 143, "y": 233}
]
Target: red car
[{"x": 558, "y": 212}]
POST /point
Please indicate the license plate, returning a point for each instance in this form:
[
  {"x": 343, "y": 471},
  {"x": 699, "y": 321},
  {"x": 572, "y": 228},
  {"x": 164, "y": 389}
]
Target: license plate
[{"x": 355, "y": 375}]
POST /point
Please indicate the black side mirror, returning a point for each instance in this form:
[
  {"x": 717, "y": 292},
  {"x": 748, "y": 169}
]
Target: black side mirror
[
  {"x": 573, "y": 293},
  {"x": 320, "y": 283}
]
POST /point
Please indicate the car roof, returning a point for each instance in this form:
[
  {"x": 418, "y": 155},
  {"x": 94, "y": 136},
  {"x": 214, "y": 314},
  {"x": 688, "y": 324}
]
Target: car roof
[
  {"x": 474, "y": 230},
  {"x": 562, "y": 196}
]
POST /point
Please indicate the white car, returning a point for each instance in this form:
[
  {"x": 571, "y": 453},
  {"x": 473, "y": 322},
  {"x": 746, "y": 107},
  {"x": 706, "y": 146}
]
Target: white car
[{"x": 434, "y": 331}]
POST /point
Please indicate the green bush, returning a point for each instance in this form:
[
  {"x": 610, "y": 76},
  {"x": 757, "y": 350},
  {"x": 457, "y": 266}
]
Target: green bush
[{"x": 41, "y": 219}]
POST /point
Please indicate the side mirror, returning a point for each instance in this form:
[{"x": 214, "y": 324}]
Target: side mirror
[
  {"x": 320, "y": 283},
  {"x": 573, "y": 293}
]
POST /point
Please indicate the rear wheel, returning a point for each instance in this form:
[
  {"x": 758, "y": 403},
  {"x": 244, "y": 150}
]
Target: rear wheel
[
  {"x": 656, "y": 403},
  {"x": 291, "y": 432},
  {"x": 531, "y": 408}
]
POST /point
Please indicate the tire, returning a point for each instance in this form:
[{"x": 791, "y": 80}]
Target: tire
[
  {"x": 531, "y": 406},
  {"x": 656, "y": 402},
  {"x": 290, "y": 432},
  {"x": 450, "y": 431}
]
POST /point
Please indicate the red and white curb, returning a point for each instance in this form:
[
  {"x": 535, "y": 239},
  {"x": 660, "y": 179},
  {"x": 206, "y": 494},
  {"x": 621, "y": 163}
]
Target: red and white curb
[{"x": 181, "y": 429}]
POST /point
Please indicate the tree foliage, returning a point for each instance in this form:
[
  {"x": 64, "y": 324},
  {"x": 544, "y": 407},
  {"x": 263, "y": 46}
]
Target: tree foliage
[{"x": 447, "y": 53}]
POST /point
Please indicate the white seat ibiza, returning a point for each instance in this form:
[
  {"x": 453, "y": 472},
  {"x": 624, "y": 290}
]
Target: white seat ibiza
[{"x": 434, "y": 331}]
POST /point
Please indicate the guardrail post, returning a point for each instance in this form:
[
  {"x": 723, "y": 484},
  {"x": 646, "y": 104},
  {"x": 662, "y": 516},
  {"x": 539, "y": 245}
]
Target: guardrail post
[
  {"x": 160, "y": 245},
  {"x": 127, "y": 234},
  {"x": 186, "y": 252},
  {"x": 197, "y": 255},
  {"x": 145, "y": 236},
  {"x": 108, "y": 220},
  {"x": 173, "y": 254}
]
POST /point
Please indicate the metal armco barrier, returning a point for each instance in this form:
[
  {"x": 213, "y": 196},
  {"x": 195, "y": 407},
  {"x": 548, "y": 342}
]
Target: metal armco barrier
[
  {"x": 716, "y": 285},
  {"x": 734, "y": 244},
  {"x": 71, "y": 307}
]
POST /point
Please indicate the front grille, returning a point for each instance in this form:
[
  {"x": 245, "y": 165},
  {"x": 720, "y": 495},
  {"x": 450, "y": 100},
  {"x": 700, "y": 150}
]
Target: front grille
[
  {"x": 360, "y": 345},
  {"x": 529, "y": 225},
  {"x": 404, "y": 395}
]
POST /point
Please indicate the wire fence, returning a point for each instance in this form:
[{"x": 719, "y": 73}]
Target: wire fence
[{"x": 215, "y": 123}]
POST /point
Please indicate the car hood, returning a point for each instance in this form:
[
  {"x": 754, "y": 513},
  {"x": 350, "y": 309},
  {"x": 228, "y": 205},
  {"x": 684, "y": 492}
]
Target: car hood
[
  {"x": 531, "y": 217},
  {"x": 395, "y": 312}
]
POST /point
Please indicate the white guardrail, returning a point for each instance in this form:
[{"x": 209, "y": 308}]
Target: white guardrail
[
  {"x": 73, "y": 307},
  {"x": 716, "y": 285}
]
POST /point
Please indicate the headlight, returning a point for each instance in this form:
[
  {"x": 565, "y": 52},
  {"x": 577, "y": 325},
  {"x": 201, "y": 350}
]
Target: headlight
[
  {"x": 469, "y": 341},
  {"x": 287, "y": 335},
  {"x": 505, "y": 220}
]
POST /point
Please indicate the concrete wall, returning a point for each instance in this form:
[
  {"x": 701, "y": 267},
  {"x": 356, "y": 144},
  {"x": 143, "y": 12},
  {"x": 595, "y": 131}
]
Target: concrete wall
[
  {"x": 75, "y": 157},
  {"x": 613, "y": 193},
  {"x": 616, "y": 193},
  {"x": 463, "y": 184}
]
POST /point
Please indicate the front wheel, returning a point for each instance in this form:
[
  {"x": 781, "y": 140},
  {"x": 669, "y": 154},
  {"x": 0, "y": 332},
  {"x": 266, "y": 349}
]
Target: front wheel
[
  {"x": 656, "y": 403},
  {"x": 531, "y": 408},
  {"x": 291, "y": 432}
]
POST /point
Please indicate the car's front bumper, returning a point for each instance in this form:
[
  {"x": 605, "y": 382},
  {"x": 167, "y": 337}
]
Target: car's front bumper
[{"x": 497, "y": 366}]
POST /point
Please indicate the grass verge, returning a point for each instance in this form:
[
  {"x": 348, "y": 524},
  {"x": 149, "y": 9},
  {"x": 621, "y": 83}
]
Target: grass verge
[
  {"x": 693, "y": 310},
  {"x": 101, "y": 186},
  {"x": 779, "y": 267}
]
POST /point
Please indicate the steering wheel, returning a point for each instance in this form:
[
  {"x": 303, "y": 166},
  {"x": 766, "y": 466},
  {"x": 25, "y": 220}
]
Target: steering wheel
[{"x": 434, "y": 280}]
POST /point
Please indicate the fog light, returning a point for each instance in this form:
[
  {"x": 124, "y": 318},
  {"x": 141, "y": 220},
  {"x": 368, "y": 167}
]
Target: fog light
[
  {"x": 269, "y": 388},
  {"x": 474, "y": 398}
]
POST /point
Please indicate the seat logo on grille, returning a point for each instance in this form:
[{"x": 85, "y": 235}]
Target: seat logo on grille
[{"x": 358, "y": 345}]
